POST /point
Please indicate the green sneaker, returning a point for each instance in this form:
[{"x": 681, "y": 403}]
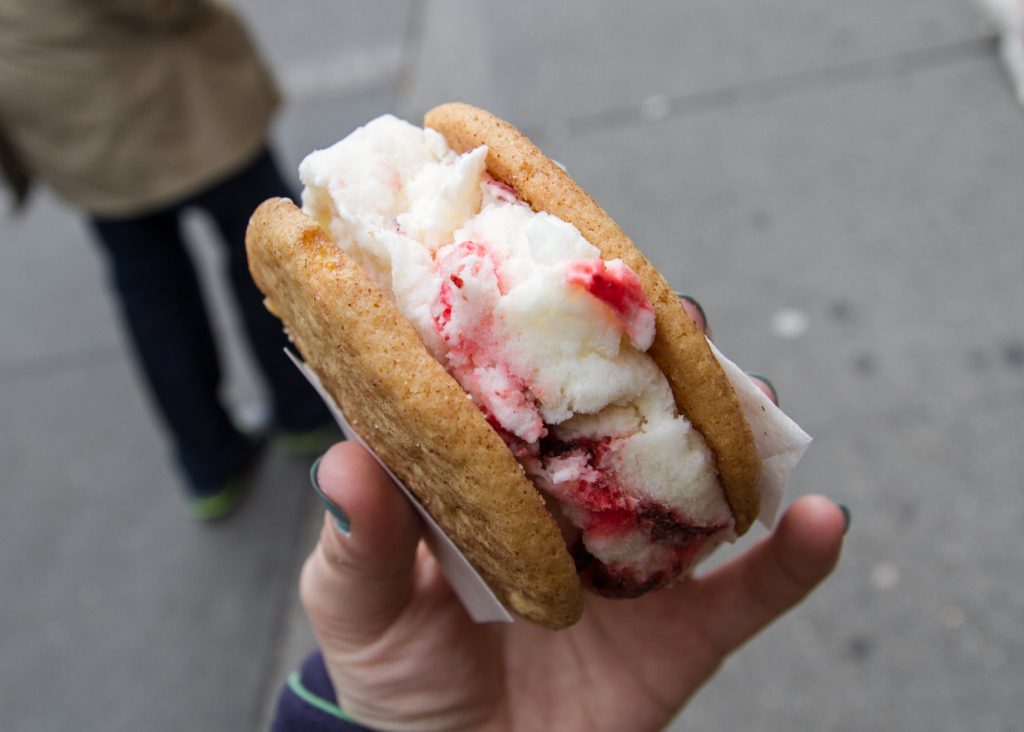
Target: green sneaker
[
  {"x": 224, "y": 502},
  {"x": 309, "y": 443}
]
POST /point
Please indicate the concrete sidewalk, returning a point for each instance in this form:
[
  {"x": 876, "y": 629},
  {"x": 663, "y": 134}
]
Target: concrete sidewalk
[{"x": 840, "y": 184}]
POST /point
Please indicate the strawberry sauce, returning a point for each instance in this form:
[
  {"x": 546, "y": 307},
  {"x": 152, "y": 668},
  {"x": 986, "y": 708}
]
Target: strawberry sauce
[
  {"x": 464, "y": 319},
  {"x": 604, "y": 510},
  {"x": 618, "y": 287}
]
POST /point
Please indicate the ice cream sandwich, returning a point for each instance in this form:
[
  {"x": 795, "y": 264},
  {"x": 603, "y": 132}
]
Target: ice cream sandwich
[{"x": 513, "y": 358}]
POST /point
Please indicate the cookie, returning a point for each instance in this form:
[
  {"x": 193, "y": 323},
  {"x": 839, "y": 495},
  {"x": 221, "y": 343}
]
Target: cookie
[{"x": 414, "y": 415}]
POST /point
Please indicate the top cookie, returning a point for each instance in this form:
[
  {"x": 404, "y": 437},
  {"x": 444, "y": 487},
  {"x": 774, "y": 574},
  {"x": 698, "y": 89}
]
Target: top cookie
[
  {"x": 412, "y": 413},
  {"x": 700, "y": 387}
]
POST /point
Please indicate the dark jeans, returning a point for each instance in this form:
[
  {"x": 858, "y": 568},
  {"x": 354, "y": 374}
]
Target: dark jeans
[{"x": 163, "y": 310}]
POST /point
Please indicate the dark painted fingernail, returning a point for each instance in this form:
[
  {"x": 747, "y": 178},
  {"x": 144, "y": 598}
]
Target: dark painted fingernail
[
  {"x": 696, "y": 304},
  {"x": 340, "y": 518},
  {"x": 846, "y": 516},
  {"x": 770, "y": 385}
]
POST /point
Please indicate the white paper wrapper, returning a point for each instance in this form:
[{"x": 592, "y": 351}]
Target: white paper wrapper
[
  {"x": 780, "y": 444},
  {"x": 780, "y": 441}
]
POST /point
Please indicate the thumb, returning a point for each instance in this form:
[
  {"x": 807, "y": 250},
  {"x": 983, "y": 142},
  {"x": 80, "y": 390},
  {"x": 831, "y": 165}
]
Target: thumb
[{"x": 358, "y": 579}]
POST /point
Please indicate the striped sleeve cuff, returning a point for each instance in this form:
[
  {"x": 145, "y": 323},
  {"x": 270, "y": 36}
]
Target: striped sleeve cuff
[{"x": 307, "y": 702}]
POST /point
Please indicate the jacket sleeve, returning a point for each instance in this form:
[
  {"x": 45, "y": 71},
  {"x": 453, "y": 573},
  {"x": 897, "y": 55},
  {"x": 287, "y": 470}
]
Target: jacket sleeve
[{"x": 307, "y": 703}]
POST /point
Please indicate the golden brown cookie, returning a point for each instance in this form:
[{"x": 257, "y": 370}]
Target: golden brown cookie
[
  {"x": 701, "y": 389},
  {"x": 412, "y": 413}
]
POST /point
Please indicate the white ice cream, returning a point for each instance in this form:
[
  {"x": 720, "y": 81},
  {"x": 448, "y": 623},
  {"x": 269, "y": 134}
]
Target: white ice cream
[{"x": 547, "y": 339}]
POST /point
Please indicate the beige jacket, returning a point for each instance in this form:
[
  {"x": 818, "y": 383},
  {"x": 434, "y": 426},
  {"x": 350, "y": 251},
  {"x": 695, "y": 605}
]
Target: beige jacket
[{"x": 123, "y": 106}]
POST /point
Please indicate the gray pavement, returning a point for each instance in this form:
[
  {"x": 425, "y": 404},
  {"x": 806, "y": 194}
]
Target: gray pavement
[{"x": 840, "y": 185}]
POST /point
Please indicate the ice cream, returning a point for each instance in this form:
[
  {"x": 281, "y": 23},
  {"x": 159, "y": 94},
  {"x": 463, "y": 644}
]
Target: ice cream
[{"x": 547, "y": 339}]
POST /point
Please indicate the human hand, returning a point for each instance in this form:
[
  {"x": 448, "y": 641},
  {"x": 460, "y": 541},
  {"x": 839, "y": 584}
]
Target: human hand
[{"x": 403, "y": 654}]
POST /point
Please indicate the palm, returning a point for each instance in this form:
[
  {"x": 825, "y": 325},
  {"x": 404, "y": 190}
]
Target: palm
[{"x": 626, "y": 664}]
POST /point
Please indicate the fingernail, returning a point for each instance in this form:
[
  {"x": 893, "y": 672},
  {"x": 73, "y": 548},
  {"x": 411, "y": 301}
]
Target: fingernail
[
  {"x": 696, "y": 304},
  {"x": 846, "y": 517},
  {"x": 771, "y": 386},
  {"x": 340, "y": 518}
]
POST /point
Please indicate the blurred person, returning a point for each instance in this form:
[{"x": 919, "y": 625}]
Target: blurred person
[
  {"x": 134, "y": 111},
  {"x": 399, "y": 652}
]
